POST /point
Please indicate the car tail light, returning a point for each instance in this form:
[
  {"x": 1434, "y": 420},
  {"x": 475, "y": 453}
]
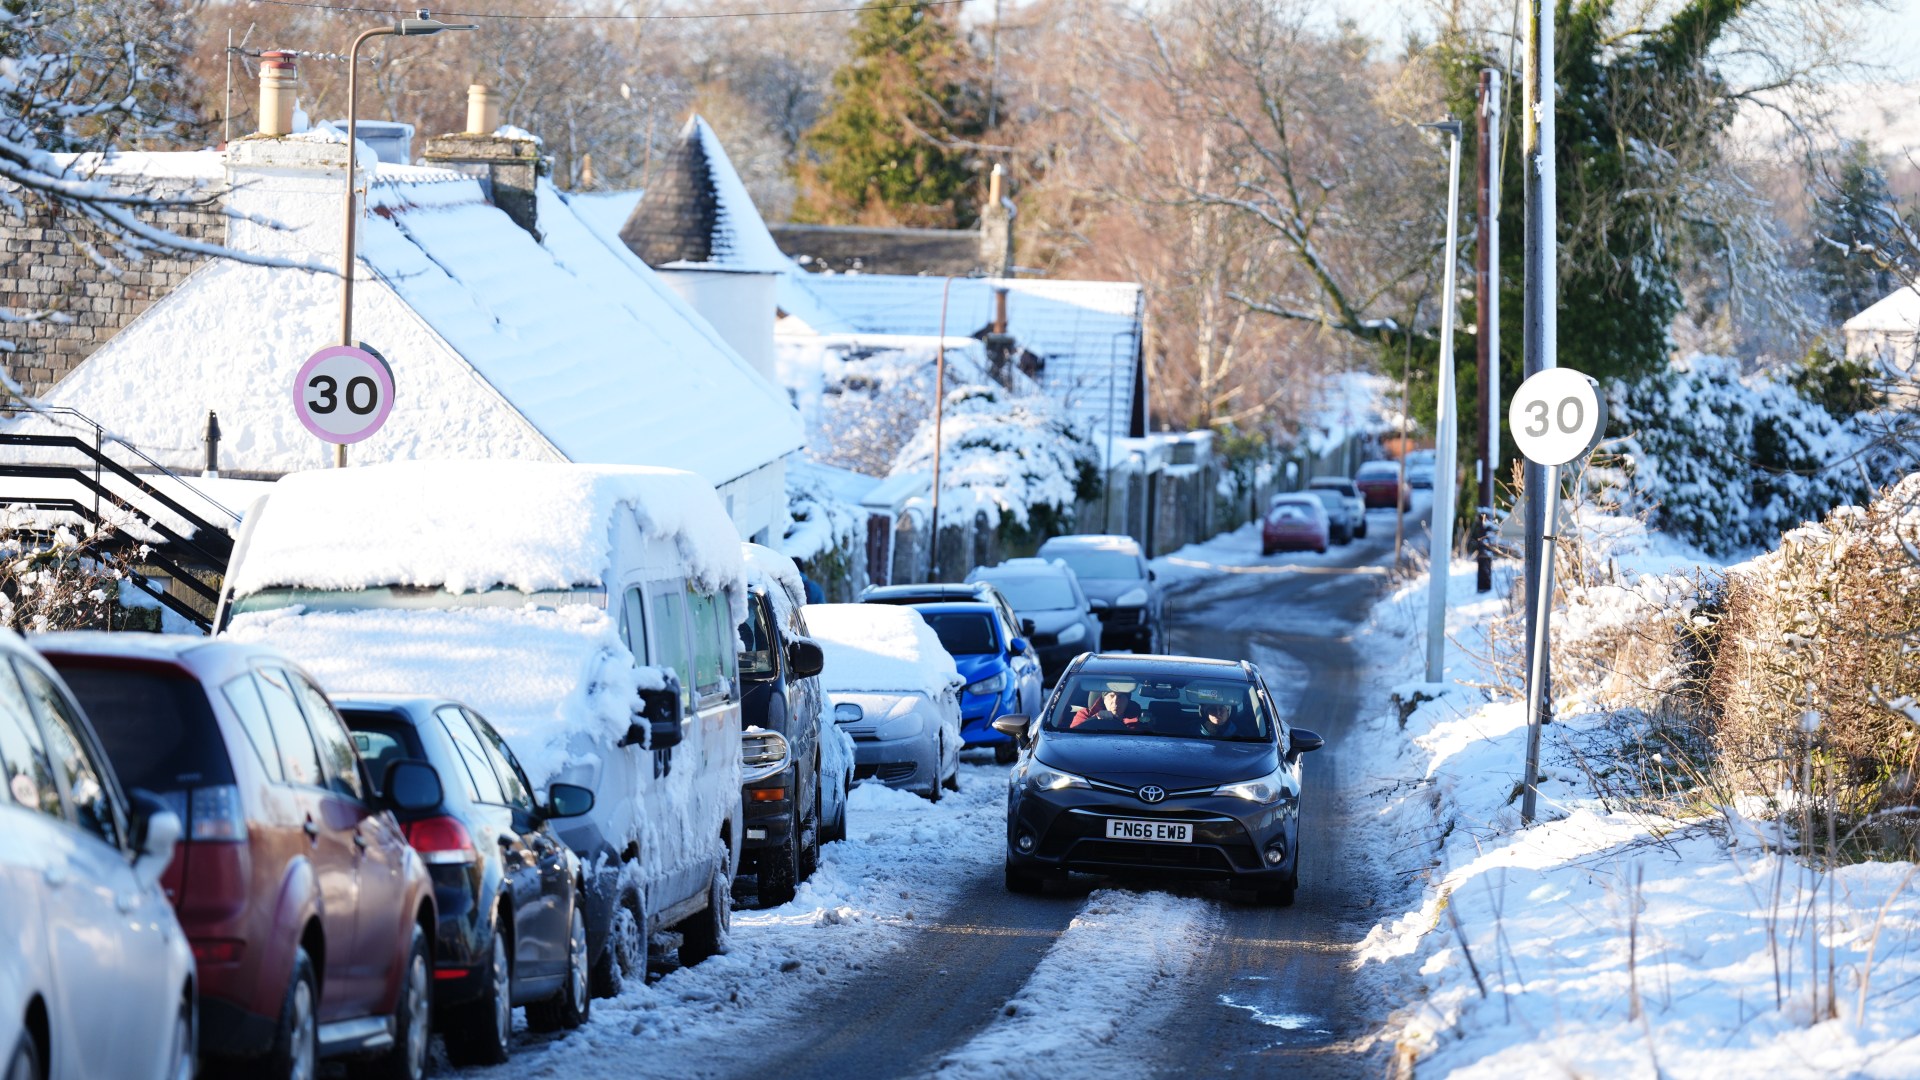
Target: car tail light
[
  {"x": 441, "y": 840},
  {"x": 217, "y": 950},
  {"x": 214, "y": 813}
]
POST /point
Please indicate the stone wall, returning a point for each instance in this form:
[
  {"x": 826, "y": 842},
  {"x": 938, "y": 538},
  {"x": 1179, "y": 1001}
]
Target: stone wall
[{"x": 45, "y": 271}]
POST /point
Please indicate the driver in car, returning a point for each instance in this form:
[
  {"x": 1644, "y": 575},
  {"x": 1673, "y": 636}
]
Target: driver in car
[{"x": 1110, "y": 705}]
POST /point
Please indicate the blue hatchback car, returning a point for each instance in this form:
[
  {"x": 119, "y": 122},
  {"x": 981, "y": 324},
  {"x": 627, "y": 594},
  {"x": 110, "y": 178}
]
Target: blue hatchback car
[{"x": 983, "y": 647}]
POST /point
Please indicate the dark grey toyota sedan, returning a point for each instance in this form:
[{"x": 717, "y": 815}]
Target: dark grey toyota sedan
[{"x": 1177, "y": 766}]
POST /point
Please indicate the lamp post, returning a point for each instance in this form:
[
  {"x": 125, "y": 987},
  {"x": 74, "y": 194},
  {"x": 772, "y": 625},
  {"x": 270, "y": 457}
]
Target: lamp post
[
  {"x": 939, "y": 414},
  {"x": 424, "y": 26},
  {"x": 1113, "y": 380},
  {"x": 1440, "y": 526}
]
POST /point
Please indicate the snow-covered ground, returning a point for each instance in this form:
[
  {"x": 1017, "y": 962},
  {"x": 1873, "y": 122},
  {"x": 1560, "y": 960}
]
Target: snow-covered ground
[{"x": 1603, "y": 941}]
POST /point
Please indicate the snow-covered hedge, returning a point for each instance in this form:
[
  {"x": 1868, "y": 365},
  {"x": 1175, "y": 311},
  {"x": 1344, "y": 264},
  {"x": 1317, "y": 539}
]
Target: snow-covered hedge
[
  {"x": 1731, "y": 461},
  {"x": 1017, "y": 458}
]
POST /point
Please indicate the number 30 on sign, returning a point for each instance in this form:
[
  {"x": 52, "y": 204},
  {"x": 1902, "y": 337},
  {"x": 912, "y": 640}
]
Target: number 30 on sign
[
  {"x": 1557, "y": 415},
  {"x": 343, "y": 394}
]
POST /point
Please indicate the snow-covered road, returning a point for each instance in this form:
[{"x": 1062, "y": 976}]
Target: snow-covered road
[{"x": 905, "y": 956}]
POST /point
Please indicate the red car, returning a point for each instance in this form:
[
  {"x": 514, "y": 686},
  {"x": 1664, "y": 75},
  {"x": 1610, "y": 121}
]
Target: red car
[
  {"x": 311, "y": 919},
  {"x": 1379, "y": 482},
  {"x": 1296, "y": 522}
]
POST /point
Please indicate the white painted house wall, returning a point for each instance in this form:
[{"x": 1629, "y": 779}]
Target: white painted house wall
[{"x": 741, "y": 306}]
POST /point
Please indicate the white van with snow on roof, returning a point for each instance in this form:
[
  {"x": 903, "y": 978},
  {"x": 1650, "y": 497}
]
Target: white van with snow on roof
[{"x": 588, "y": 612}]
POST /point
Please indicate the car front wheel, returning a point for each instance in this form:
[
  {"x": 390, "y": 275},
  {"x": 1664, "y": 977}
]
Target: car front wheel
[
  {"x": 573, "y": 1003},
  {"x": 481, "y": 1031},
  {"x": 708, "y": 933}
]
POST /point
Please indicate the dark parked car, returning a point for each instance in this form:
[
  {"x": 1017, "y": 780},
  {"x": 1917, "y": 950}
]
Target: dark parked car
[
  {"x": 1169, "y": 766},
  {"x": 788, "y": 815},
  {"x": 1047, "y": 595},
  {"x": 512, "y": 929},
  {"x": 311, "y": 917},
  {"x": 1115, "y": 576},
  {"x": 1379, "y": 482}
]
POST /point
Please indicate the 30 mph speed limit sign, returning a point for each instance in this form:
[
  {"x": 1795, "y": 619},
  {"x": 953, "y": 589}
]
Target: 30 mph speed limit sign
[
  {"x": 1557, "y": 415},
  {"x": 343, "y": 394}
]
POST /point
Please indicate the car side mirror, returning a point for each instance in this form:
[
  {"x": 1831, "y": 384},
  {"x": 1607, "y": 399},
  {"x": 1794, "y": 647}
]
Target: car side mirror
[
  {"x": 412, "y": 786},
  {"x": 1301, "y": 741},
  {"x": 805, "y": 658},
  {"x": 156, "y": 831},
  {"x": 1014, "y": 724},
  {"x": 1018, "y": 646},
  {"x": 846, "y": 712},
  {"x": 658, "y": 723},
  {"x": 568, "y": 800}
]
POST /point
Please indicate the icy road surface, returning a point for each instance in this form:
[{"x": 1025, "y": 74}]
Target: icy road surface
[{"x": 904, "y": 956}]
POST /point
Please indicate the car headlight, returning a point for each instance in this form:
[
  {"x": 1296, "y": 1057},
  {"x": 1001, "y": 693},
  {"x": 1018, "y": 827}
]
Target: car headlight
[
  {"x": 1132, "y": 598},
  {"x": 1265, "y": 790},
  {"x": 992, "y": 684},
  {"x": 1047, "y": 778},
  {"x": 1072, "y": 634}
]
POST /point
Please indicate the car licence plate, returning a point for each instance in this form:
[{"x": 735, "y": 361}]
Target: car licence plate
[{"x": 1159, "y": 832}]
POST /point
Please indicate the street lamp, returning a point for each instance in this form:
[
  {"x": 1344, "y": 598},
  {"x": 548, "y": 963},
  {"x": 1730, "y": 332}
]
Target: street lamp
[
  {"x": 424, "y": 26},
  {"x": 1440, "y": 525}
]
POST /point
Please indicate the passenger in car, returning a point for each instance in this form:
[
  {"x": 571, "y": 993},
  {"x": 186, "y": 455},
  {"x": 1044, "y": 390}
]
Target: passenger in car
[
  {"x": 1216, "y": 720},
  {"x": 1109, "y": 706}
]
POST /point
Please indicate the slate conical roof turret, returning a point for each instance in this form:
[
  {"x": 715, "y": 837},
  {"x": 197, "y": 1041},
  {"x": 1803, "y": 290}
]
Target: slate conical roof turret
[{"x": 696, "y": 214}]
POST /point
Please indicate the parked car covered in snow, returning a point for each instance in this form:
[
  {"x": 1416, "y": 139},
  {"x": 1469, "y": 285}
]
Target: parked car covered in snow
[
  {"x": 589, "y": 612},
  {"x": 896, "y": 690},
  {"x": 789, "y": 814},
  {"x": 1295, "y": 522},
  {"x": 1114, "y": 574},
  {"x": 1046, "y": 593},
  {"x": 96, "y": 978}
]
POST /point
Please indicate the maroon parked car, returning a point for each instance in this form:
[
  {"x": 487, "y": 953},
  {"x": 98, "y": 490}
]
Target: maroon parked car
[
  {"x": 311, "y": 919},
  {"x": 1294, "y": 523},
  {"x": 1379, "y": 482}
]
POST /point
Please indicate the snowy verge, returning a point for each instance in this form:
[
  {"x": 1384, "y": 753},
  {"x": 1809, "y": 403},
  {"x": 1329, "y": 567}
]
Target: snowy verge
[
  {"x": 1115, "y": 962},
  {"x": 1602, "y": 941}
]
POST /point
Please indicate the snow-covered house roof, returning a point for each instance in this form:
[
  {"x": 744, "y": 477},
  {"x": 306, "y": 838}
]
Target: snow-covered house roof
[
  {"x": 697, "y": 215},
  {"x": 565, "y": 347},
  {"x": 606, "y": 211},
  {"x": 1897, "y": 313},
  {"x": 1087, "y": 333},
  {"x": 1888, "y": 332}
]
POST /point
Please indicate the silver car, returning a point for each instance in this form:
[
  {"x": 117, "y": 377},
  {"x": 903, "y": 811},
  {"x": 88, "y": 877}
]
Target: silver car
[
  {"x": 1356, "y": 502},
  {"x": 896, "y": 690},
  {"x": 96, "y": 977}
]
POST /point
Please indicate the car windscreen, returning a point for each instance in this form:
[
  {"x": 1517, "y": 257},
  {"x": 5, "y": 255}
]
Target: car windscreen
[
  {"x": 157, "y": 728},
  {"x": 963, "y": 632},
  {"x": 412, "y": 598},
  {"x": 1342, "y": 487},
  {"x": 1329, "y": 499},
  {"x": 1290, "y": 511},
  {"x": 1097, "y": 563},
  {"x": 1163, "y": 706},
  {"x": 1039, "y": 592}
]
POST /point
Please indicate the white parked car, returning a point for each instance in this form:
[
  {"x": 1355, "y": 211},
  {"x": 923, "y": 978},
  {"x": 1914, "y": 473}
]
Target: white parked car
[
  {"x": 96, "y": 977},
  {"x": 895, "y": 690},
  {"x": 1355, "y": 502}
]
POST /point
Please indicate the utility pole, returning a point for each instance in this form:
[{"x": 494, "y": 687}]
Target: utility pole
[
  {"x": 1487, "y": 341},
  {"x": 939, "y": 414},
  {"x": 1446, "y": 426},
  {"x": 1542, "y": 263}
]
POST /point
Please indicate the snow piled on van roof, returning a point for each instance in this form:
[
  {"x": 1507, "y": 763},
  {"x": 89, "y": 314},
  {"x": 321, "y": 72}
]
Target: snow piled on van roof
[
  {"x": 539, "y": 676},
  {"x": 469, "y": 526},
  {"x": 880, "y": 649}
]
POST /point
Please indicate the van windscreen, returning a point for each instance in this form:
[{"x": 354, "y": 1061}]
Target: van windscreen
[{"x": 157, "y": 728}]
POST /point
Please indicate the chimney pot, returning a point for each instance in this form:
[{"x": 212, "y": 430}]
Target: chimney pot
[
  {"x": 483, "y": 110},
  {"x": 996, "y": 184},
  {"x": 279, "y": 83}
]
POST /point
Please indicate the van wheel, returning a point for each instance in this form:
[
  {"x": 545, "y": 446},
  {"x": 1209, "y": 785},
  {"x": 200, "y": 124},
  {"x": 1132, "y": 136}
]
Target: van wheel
[
  {"x": 625, "y": 954},
  {"x": 707, "y": 933},
  {"x": 481, "y": 1030},
  {"x": 296, "y": 1043},
  {"x": 25, "y": 1062},
  {"x": 573, "y": 1004},
  {"x": 412, "y": 1017}
]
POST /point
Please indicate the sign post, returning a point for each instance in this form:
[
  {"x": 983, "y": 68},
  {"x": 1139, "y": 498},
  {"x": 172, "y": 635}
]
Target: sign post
[
  {"x": 1557, "y": 416},
  {"x": 343, "y": 394}
]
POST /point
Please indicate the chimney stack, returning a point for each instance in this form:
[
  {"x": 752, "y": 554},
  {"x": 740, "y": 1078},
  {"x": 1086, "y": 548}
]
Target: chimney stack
[
  {"x": 483, "y": 110},
  {"x": 996, "y": 227},
  {"x": 279, "y": 83}
]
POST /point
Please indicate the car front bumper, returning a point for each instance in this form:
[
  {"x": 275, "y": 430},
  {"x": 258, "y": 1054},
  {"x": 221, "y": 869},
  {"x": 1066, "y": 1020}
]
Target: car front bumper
[
  {"x": 1231, "y": 837},
  {"x": 977, "y": 714},
  {"x": 910, "y": 762},
  {"x": 768, "y": 823}
]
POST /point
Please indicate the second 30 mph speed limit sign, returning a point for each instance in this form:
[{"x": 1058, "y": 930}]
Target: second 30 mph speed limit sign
[
  {"x": 343, "y": 394},
  {"x": 1557, "y": 415}
]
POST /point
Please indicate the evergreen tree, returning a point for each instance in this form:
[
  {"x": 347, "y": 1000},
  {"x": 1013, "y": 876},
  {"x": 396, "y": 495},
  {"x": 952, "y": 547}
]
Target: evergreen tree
[
  {"x": 1851, "y": 236},
  {"x": 895, "y": 145}
]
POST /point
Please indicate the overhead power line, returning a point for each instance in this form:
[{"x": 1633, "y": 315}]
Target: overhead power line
[{"x": 661, "y": 17}]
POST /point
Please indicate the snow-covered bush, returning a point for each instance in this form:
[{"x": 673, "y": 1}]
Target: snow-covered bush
[
  {"x": 1015, "y": 457},
  {"x": 60, "y": 579},
  {"x": 1729, "y": 462},
  {"x": 828, "y": 536}
]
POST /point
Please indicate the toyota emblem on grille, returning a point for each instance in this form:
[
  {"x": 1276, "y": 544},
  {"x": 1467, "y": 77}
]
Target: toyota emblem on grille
[{"x": 1152, "y": 793}]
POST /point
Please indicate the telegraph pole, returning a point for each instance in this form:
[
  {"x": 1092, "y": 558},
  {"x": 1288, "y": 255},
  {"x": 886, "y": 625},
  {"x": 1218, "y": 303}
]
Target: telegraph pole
[
  {"x": 1541, "y": 298},
  {"x": 1487, "y": 341}
]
